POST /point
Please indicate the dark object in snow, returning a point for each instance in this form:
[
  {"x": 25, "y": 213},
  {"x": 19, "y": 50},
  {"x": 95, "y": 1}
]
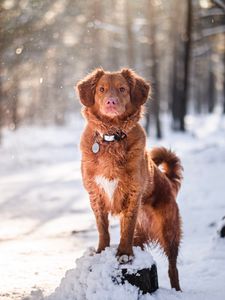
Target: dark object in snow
[
  {"x": 212, "y": 224},
  {"x": 145, "y": 279},
  {"x": 222, "y": 232},
  {"x": 221, "y": 228}
]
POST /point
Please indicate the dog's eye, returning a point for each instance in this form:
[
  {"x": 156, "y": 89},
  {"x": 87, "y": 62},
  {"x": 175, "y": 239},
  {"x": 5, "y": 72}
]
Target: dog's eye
[
  {"x": 101, "y": 89},
  {"x": 122, "y": 89}
]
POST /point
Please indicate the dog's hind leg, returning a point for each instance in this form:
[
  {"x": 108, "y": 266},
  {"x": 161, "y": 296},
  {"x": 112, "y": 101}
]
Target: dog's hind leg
[
  {"x": 170, "y": 245},
  {"x": 173, "y": 271}
]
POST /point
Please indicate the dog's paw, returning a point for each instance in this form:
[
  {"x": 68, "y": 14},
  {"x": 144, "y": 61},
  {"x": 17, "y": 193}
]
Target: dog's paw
[
  {"x": 101, "y": 248},
  {"x": 124, "y": 259}
]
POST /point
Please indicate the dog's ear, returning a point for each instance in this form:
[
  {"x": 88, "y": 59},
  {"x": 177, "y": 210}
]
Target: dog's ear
[
  {"x": 139, "y": 88},
  {"x": 86, "y": 87}
]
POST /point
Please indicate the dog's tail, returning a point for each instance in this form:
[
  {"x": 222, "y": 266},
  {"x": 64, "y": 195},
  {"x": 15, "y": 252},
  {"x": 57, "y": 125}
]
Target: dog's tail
[{"x": 170, "y": 165}]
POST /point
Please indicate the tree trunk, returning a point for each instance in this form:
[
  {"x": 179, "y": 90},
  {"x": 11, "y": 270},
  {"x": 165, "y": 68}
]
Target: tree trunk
[
  {"x": 114, "y": 53},
  {"x": 224, "y": 97},
  {"x": 15, "y": 101},
  {"x": 1, "y": 109},
  {"x": 175, "y": 86},
  {"x": 155, "y": 71},
  {"x": 224, "y": 81},
  {"x": 177, "y": 68},
  {"x": 94, "y": 52},
  {"x": 211, "y": 99},
  {"x": 146, "y": 280},
  {"x": 129, "y": 33},
  {"x": 187, "y": 60}
]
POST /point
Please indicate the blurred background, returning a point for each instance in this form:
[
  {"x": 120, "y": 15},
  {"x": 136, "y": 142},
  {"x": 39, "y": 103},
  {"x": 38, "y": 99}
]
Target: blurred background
[{"x": 47, "y": 45}]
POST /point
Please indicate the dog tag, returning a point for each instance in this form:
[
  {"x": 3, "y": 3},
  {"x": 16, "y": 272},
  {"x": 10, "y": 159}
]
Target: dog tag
[{"x": 95, "y": 147}]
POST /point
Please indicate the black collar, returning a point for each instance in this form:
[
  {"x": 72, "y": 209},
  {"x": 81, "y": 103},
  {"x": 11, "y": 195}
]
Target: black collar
[{"x": 118, "y": 136}]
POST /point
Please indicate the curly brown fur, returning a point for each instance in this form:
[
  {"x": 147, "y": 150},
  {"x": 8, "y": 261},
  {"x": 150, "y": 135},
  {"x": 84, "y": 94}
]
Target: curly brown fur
[
  {"x": 170, "y": 163},
  {"x": 123, "y": 178}
]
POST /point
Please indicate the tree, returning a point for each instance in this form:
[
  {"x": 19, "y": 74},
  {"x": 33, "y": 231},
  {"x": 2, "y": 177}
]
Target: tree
[
  {"x": 182, "y": 60},
  {"x": 155, "y": 70},
  {"x": 129, "y": 33},
  {"x": 224, "y": 80},
  {"x": 1, "y": 109}
]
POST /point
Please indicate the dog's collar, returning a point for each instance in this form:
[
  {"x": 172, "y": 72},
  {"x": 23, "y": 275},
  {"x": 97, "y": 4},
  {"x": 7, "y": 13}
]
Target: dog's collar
[{"x": 118, "y": 136}]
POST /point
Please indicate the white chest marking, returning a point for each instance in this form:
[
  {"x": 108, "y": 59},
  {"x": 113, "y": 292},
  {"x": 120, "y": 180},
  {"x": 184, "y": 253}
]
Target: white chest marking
[{"x": 109, "y": 186}]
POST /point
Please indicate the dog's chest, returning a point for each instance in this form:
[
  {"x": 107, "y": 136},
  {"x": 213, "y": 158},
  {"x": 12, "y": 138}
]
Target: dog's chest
[{"x": 107, "y": 185}]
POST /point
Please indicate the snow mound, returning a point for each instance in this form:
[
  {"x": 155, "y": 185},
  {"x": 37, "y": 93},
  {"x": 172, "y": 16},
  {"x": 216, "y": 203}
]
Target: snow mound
[{"x": 92, "y": 277}]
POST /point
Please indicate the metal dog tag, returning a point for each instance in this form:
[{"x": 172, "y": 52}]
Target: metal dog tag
[{"x": 95, "y": 147}]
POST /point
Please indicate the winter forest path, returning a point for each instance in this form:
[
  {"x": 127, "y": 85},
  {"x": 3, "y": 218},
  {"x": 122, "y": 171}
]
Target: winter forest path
[{"x": 46, "y": 221}]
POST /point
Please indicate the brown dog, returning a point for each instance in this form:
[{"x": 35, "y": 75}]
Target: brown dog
[{"x": 121, "y": 177}]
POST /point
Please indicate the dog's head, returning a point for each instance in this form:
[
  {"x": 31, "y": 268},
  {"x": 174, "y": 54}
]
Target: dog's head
[{"x": 113, "y": 94}]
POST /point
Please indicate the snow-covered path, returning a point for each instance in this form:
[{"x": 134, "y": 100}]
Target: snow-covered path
[{"x": 46, "y": 222}]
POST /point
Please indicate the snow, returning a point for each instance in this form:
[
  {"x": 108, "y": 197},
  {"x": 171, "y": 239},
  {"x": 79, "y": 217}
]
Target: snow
[
  {"x": 92, "y": 277},
  {"x": 47, "y": 223}
]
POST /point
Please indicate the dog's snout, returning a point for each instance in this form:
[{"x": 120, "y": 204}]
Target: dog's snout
[{"x": 112, "y": 101}]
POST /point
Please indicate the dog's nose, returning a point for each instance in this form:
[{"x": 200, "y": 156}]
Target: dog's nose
[{"x": 112, "y": 101}]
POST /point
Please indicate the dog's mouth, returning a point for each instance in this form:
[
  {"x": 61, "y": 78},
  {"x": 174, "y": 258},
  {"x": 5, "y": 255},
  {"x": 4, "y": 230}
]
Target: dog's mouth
[{"x": 111, "y": 111}]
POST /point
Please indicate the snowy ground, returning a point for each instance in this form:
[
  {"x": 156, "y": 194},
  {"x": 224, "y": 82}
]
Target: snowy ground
[{"x": 46, "y": 222}]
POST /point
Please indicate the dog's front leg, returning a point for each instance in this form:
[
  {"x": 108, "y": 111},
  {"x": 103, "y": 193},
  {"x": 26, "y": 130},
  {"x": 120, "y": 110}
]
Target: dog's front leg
[
  {"x": 127, "y": 227},
  {"x": 101, "y": 216}
]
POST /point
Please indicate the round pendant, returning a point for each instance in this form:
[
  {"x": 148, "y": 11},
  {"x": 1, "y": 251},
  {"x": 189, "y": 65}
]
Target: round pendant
[{"x": 95, "y": 147}]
